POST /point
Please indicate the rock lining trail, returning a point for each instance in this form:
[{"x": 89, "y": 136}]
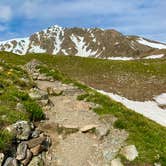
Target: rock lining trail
[{"x": 80, "y": 137}]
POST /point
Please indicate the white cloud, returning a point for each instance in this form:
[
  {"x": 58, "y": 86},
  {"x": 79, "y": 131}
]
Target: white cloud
[{"x": 5, "y": 13}]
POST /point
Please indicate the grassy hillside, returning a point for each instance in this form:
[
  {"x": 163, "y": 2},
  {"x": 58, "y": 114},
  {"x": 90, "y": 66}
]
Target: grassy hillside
[
  {"x": 14, "y": 86},
  {"x": 148, "y": 136},
  {"x": 137, "y": 80}
]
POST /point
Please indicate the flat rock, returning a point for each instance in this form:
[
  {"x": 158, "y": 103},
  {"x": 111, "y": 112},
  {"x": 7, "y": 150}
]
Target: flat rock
[
  {"x": 36, "y": 141},
  {"x": 130, "y": 152},
  {"x": 11, "y": 162},
  {"x": 88, "y": 128},
  {"x": 21, "y": 151},
  {"x": 116, "y": 162}
]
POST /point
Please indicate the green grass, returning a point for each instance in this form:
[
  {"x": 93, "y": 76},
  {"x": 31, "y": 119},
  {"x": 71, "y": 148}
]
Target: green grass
[
  {"x": 148, "y": 136},
  {"x": 14, "y": 86}
]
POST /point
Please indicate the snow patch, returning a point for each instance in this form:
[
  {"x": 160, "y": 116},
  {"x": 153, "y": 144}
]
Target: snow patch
[
  {"x": 151, "y": 44},
  {"x": 20, "y": 48},
  {"x": 58, "y": 40},
  {"x": 120, "y": 58},
  {"x": 149, "y": 109},
  {"x": 37, "y": 49},
  {"x": 161, "y": 99},
  {"x": 64, "y": 51},
  {"x": 81, "y": 47},
  {"x": 155, "y": 56}
]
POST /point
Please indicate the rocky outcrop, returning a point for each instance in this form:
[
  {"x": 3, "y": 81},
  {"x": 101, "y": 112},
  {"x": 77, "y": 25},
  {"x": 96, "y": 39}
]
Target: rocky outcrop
[{"x": 92, "y": 42}]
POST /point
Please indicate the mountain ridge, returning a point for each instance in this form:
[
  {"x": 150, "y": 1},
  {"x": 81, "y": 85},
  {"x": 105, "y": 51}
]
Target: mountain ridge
[{"x": 91, "y": 42}]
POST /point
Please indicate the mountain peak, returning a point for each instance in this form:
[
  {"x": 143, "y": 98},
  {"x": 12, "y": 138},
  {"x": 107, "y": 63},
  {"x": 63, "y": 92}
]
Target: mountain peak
[{"x": 84, "y": 42}]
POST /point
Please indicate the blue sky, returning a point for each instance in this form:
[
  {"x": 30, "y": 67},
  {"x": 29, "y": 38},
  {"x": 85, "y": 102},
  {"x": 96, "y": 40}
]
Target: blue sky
[{"x": 20, "y": 18}]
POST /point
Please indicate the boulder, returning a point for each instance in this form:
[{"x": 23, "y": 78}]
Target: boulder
[
  {"x": 37, "y": 94},
  {"x": 116, "y": 162},
  {"x": 1, "y": 158},
  {"x": 130, "y": 152},
  {"x": 28, "y": 158},
  {"x": 36, "y": 161},
  {"x": 11, "y": 162},
  {"x": 21, "y": 129},
  {"x": 21, "y": 151}
]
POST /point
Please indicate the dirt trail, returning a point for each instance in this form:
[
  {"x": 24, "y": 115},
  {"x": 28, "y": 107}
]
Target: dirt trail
[{"x": 71, "y": 124}]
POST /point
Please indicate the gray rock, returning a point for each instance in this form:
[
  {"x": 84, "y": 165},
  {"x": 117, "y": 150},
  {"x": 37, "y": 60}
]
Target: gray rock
[
  {"x": 21, "y": 151},
  {"x": 102, "y": 131},
  {"x": 44, "y": 102},
  {"x": 109, "y": 154},
  {"x": 36, "y": 141},
  {"x": 88, "y": 128},
  {"x": 116, "y": 162},
  {"x": 20, "y": 107},
  {"x": 54, "y": 91},
  {"x": 36, "y": 161},
  {"x": 28, "y": 158},
  {"x": 11, "y": 162},
  {"x": 37, "y": 94},
  {"x": 130, "y": 152},
  {"x": 21, "y": 129},
  {"x": 1, "y": 158}
]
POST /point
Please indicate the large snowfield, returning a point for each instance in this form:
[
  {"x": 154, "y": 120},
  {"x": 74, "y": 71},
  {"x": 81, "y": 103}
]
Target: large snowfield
[{"x": 149, "y": 109}]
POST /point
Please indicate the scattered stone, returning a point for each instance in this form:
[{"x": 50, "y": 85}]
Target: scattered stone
[
  {"x": 44, "y": 102},
  {"x": 1, "y": 158},
  {"x": 54, "y": 91},
  {"x": 88, "y": 128},
  {"x": 157, "y": 164},
  {"x": 116, "y": 162},
  {"x": 36, "y": 161},
  {"x": 37, "y": 94},
  {"x": 130, "y": 152},
  {"x": 20, "y": 107},
  {"x": 102, "y": 131},
  {"x": 21, "y": 129},
  {"x": 21, "y": 151},
  {"x": 28, "y": 158},
  {"x": 11, "y": 162},
  {"x": 109, "y": 154}
]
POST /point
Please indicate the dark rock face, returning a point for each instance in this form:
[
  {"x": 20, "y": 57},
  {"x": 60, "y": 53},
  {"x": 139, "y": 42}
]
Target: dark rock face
[{"x": 81, "y": 42}]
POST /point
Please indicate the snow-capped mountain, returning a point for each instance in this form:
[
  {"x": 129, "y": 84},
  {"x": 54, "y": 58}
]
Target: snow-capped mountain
[{"x": 84, "y": 42}]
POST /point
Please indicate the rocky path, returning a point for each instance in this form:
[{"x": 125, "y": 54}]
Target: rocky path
[{"x": 79, "y": 136}]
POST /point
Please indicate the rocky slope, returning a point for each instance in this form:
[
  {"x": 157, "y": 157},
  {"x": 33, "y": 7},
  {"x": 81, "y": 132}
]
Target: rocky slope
[{"x": 85, "y": 42}]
